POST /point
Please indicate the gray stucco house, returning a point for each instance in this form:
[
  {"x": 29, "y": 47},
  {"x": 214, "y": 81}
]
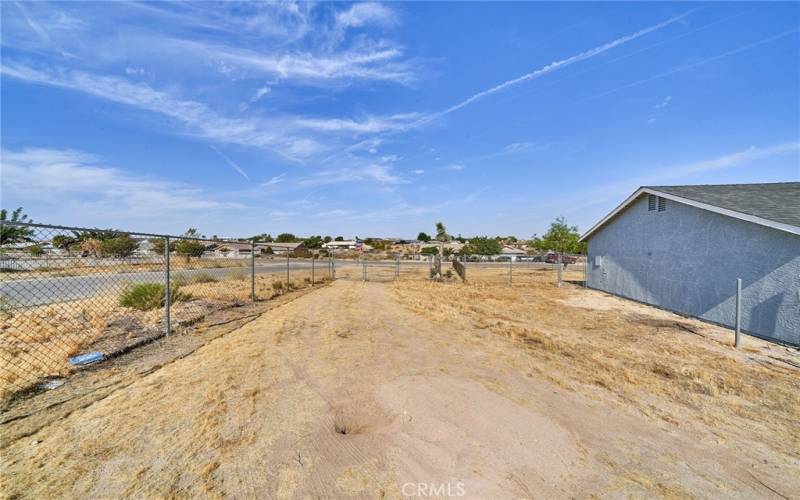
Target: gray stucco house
[{"x": 683, "y": 247}]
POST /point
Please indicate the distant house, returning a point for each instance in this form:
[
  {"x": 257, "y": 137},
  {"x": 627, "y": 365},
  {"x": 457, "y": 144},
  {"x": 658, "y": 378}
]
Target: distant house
[
  {"x": 237, "y": 250},
  {"x": 144, "y": 247},
  {"x": 512, "y": 252},
  {"x": 228, "y": 250},
  {"x": 683, "y": 247},
  {"x": 283, "y": 248},
  {"x": 347, "y": 245}
]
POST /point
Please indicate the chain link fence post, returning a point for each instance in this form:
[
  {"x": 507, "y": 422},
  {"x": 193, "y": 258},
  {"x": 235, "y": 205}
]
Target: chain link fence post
[
  {"x": 287, "y": 268},
  {"x": 313, "y": 258},
  {"x": 253, "y": 270},
  {"x": 510, "y": 270},
  {"x": 397, "y": 268},
  {"x": 738, "y": 332},
  {"x": 558, "y": 263},
  {"x": 364, "y": 264},
  {"x": 167, "y": 298},
  {"x": 586, "y": 271}
]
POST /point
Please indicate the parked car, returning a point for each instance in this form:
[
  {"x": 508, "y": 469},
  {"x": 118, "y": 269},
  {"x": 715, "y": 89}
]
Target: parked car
[{"x": 552, "y": 258}]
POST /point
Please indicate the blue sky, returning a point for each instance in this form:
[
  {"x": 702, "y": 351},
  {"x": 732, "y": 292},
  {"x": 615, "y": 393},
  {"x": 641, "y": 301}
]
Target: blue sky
[{"x": 380, "y": 119}]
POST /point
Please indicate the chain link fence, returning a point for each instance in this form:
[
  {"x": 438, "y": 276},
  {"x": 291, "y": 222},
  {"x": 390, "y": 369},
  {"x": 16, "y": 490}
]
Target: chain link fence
[
  {"x": 72, "y": 296},
  {"x": 487, "y": 269}
]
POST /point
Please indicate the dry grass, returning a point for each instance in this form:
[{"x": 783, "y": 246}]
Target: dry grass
[
  {"x": 36, "y": 342},
  {"x": 667, "y": 367}
]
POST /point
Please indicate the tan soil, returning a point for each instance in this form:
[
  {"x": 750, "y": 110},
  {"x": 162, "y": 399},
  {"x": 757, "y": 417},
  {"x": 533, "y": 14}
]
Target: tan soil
[{"x": 359, "y": 389}]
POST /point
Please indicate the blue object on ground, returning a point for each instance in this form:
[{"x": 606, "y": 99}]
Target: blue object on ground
[{"x": 87, "y": 359}]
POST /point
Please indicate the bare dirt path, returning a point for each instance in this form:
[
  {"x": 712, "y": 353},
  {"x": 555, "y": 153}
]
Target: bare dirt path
[{"x": 347, "y": 392}]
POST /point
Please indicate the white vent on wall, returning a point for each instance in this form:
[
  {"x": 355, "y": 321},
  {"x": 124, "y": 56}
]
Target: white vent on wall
[
  {"x": 598, "y": 261},
  {"x": 656, "y": 203}
]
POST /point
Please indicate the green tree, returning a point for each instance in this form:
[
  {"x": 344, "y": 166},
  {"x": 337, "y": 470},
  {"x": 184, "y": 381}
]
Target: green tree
[
  {"x": 263, "y": 237},
  {"x": 328, "y": 239},
  {"x": 560, "y": 237},
  {"x": 286, "y": 238},
  {"x": 157, "y": 245},
  {"x": 313, "y": 242},
  {"x": 64, "y": 242},
  {"x": 14, "y": 234},
  {"x": 36, "y": 250},
  {"x": 430, "y": 251},
  {"x": 339, "y": 238},
  {"x": 190, "y": 247},
  {"x": 422, "y": 236},
  {"x": 268, "y": 251},
  {"x": 481, "y": 245},
  {"x": 119, "y": 246},
  {"x": 441, "y": 233}
]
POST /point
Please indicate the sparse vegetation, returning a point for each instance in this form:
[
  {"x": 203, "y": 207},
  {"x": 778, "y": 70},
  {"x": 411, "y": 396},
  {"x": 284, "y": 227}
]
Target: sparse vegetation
[
  {"x": 147, "y": 296},
  {"x": 36, "y": 250},
  {"x": 190, "y": 248},
  {"x": 119, "y": 246}
]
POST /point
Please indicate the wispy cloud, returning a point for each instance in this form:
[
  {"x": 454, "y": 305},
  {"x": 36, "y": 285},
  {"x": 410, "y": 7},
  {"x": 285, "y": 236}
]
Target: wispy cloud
[
  {"x": 78, "y": 179},
  {"x": 361, "y": 14},
  {"x": 277, "y": 179},
  {"x": 663, "y": 104},
  {"x": 419, "y": 171},
  {"x": 694, "y": 65},
  {"x": 743, "y": 157},
  {"x": 230, "y": 162},
  {"x": 371, "y": 124},
  {"x": 549, "y": 68},
  {"x": 455, "y": 167},
  {"x": 260, "y": 93},
  {"x": 681, "y": 172},
  {"x": 198, "y": 118},
  {"x": 374, "y": 173},
  {"x": 557, "y": 65}
]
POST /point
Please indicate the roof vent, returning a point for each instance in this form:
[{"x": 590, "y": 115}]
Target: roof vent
[
  {"x": 662, "y": 204},
  {"x": 651, "y": 202}
]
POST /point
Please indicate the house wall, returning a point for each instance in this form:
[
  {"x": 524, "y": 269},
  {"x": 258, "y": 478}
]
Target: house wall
[{"x": 686, "y": 259}]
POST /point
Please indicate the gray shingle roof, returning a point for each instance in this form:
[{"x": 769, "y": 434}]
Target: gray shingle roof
[{"x": 778, "y": 202}]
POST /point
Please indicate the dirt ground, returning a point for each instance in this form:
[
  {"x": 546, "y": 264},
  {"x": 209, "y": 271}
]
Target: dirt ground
[{"x": 392, "y": 390}]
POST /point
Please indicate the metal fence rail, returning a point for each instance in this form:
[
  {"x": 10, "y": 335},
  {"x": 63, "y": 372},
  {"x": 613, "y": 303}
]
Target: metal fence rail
[{"x": 70, "y": 295}]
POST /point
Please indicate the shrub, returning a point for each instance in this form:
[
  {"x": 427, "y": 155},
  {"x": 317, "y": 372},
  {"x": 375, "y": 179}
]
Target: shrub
[
  {"x": 119, "y": 246},
  {"x": 277, "y": 286},
  {"x": 36, "y": 250},
  {"x": 147, "y": 296}
]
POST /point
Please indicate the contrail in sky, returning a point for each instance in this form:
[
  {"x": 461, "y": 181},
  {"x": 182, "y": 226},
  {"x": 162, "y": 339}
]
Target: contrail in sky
[{"x": 230, "y": 162}]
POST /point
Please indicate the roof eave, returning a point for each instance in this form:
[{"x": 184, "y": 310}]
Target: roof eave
[{"x": 705, "y": 206}]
